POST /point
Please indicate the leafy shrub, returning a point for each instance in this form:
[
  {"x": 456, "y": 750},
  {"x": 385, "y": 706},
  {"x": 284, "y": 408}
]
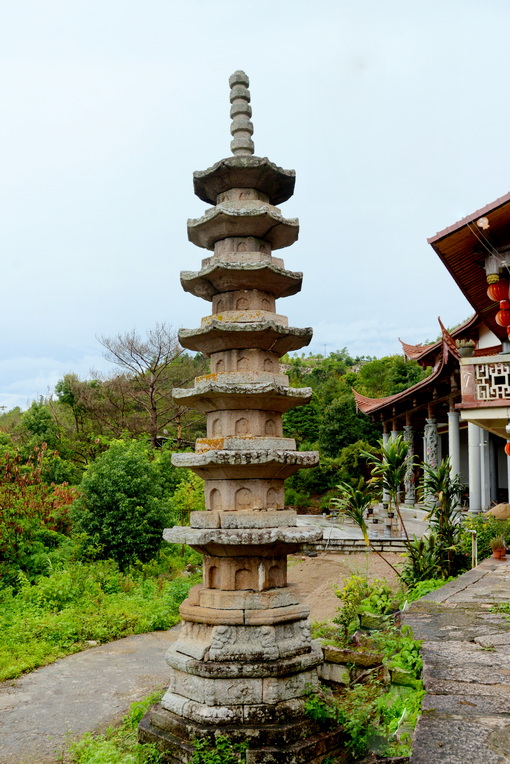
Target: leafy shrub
[
  {"x": 121, "y": 508},
  {"x": 486, "y": 527},
  {"x": 33, "y": 514}
]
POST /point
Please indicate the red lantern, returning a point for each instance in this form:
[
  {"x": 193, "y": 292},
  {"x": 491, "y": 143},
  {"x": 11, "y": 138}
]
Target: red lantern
[
  {"x": 503, "y": 317},
  {"x": 507, "y": 448},
  {"x": 498, "y": 291},
  {"x": 504, "y": 305}
]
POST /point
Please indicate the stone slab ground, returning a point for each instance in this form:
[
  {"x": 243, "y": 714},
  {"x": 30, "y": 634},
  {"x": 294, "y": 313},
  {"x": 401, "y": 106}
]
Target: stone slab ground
[{"x": 466, "y": 656}]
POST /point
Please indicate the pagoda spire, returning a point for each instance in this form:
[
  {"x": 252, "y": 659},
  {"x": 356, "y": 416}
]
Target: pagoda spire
[{"x": 240, "y": 113}]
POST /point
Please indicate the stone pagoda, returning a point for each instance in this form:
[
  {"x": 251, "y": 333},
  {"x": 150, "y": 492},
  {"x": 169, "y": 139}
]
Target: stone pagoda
[{"x": 244, "y": 660}]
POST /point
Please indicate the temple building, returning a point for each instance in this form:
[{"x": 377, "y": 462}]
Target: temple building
[{"x": 462, "y": 409}]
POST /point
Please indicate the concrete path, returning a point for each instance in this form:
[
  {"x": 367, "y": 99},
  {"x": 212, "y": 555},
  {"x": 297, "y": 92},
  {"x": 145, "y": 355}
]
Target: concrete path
[
  {"x": 466, "y": 654},
  {"x": 42, "y": 712}
]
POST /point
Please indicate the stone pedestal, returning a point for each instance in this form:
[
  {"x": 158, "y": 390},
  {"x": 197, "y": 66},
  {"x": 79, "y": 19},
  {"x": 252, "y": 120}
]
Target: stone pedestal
[{"x": 244, "y": 662}]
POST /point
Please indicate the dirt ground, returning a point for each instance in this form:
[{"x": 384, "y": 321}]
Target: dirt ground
[{"x": 319, "y": 577}]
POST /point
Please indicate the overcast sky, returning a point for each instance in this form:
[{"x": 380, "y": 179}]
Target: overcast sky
[{"x": 395, "y": 116}]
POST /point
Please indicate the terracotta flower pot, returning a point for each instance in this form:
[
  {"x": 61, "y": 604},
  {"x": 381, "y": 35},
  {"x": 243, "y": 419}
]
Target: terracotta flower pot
[{"x": 499, "y": 554}]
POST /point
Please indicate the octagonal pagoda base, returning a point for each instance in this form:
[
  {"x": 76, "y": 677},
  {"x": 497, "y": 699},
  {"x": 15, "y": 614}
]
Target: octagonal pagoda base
[{"x": 299, "y": 741}]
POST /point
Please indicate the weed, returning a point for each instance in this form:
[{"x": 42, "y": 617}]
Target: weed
[{"x": 224, "y": 751}]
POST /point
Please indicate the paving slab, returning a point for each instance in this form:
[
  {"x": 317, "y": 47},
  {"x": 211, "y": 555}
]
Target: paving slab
[
  {"x": 42, "y": 712},
  {"x": 466, "y": 669}
]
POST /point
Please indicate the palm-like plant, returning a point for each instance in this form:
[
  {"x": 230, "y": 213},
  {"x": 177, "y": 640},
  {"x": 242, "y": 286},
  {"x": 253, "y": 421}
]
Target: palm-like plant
[
  {"x": 353, "y": 503},
  {"x": 443, "y": 492},
  {"x": 389, "y": 469}
]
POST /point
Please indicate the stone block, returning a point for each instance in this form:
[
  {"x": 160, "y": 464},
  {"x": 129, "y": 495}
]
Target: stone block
[
  {"x": 403, "y": 677},
  {"x": 252, "y": 643},
  {"x": 334, "y": 672},
  {"x": 278, "y": 689},
  {"x": 245, "y": 573},
  {"x": 231, "y": 691},
  {"x": 266, "y": 519},
  {"x": 276, "y": 615},
  {"x": 258, "y": 669},
  {"x": 244, "y": 421},
  {"x": 199, "y": 712},
  {"x": 244, "y": 495},
  {"x": 211, "y": 616},
  {"x": 334, "y": 654},
  {"x": 194, "y": 640},
  {"x": 205, "y": 519},
  {"x": 274, "y": 713},
  {"x": 248, "y": 600}
]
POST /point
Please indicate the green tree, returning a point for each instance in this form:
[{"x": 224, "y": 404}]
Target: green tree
[
  {"x": 341, "y": 425},
  {"x": 121, "y": 508}
]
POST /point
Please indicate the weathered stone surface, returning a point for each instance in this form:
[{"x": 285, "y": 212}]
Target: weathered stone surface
[
  {"x": 253, "y": 316},
  {"x": 284, "y": 667},
  {"x": 467, "y": 705},
  {"x": 204, "y": 519},
  {"x": 200, "y": 712},
  {"x": 245, "y": 496},
  {"x": 262, "y": 464},
  {"x": 453, "y": 741},
  {"x": 210, "y": 615},
  {"x": 223, "y": 276},
  {"x": 365, "y": 658},
  {"x": 264, "y": 221},
  {"x": 244, "y": 172},
  {"x": 277, "y": 689},
  {"x": 217, "y": 691},
  {"x": 264, "y": 335},
  {"x": 261, "y": 519},
  {"x": 334, "y": 672},
  {"x": 212, "y": 395},
  {"x": 276, "y": 615},
  {"x": 276, "y": 519},
  {"x": 233, "y": 572},
  {"x": 494, "y": 640},
  {"x": 248, "y": 643},
  {"x": 241, "y": 537},
  {"x": 247, "y": 443}
]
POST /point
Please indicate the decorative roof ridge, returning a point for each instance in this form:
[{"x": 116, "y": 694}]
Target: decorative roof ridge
[
  {"x": 449, "y": 345},
  {"x": 420, "y": 351}
]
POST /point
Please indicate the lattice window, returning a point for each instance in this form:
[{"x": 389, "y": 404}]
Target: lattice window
[{"x": 492, "y": 381}]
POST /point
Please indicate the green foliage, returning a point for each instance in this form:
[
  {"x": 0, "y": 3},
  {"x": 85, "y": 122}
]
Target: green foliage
[
  {"x": 224, "y": 751},
  {"x": 421, "y": 561},
  {"x": 442, "y": 492},
  {"x": 421, "y": 588},
  {"x": 188, "y": 497},
  {"x": 386, "y": 376},
  {"x": 486, "y": 527},
  {"x": 370, "y": 714},
  {"x": 342, "y": 425},
  {"x": 57, "y": 615},
  {"x": 121, "y": 508},
  {"x": 34, "y": 516},
  {"x": 353, "y": 503},
  {"x": 118, "y": 745},
  {"x": 359, "y": 595}
]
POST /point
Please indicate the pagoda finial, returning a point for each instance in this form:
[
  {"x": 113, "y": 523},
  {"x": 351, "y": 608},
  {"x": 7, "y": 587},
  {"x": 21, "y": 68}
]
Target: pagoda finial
[{"x": 240, "y": 113}]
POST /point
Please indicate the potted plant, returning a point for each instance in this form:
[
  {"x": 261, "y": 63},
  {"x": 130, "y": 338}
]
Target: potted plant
[
  {"x": 498, "y": 546},
  {"x": 465, "y": 347}
]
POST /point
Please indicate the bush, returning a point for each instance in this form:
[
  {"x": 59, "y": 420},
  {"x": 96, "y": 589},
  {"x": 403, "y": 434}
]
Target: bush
[
  {"x": 121, "y": 508},
  {"x": 486, "y": 527}
]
